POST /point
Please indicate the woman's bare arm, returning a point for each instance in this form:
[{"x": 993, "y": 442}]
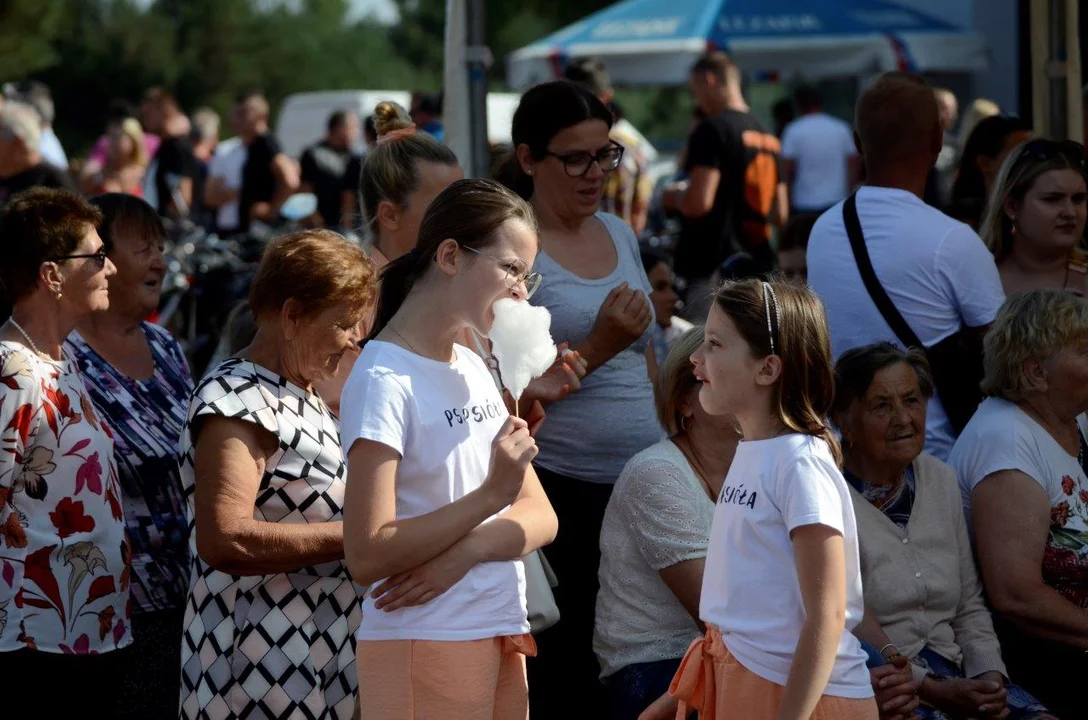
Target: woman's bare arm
[{"x": 230, "y": 461}]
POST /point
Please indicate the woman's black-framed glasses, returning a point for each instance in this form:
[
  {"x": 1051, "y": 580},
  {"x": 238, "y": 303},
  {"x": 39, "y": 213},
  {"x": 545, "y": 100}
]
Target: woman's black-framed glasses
[
  {"x": 531, "y": 280},
  {"x": 98, "y": 257},
  {"x": 577, "y": 164}
]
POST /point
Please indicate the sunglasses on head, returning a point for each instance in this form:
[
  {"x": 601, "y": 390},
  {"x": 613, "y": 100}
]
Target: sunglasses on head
[{"x": 1043, "y": 149}]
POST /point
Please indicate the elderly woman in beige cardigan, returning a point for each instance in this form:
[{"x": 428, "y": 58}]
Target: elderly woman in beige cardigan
[{"x": 923, "y": 596}]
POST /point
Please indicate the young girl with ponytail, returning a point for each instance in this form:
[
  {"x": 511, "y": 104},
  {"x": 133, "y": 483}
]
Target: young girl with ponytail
[
  {"x": 442, "y": 501},
  {"x": 782, "y": 585}
]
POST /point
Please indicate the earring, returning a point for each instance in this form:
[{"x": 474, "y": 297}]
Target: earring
[
  {"x": 684, "y": 422},
  {"x": 1013, "y": 228},
  {"x": 59, "y": 295}
]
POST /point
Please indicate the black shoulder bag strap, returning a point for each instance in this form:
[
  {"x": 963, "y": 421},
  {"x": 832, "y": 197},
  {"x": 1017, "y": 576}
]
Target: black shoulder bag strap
[{"x": 868, "y": 276}]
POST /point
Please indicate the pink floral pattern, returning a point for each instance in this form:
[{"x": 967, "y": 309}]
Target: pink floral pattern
[{"x": 63, "y": 552}]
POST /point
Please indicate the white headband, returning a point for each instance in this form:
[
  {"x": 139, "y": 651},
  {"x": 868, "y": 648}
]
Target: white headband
[{"x": 769, "y": 297}]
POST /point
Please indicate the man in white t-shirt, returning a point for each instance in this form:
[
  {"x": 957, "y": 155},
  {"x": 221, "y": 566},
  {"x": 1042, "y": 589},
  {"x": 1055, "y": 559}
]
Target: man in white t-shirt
[
  {"x": 935, "y": 270},
  {"x": 224, "y": 186},
  {"x": 819, "y": 160}
]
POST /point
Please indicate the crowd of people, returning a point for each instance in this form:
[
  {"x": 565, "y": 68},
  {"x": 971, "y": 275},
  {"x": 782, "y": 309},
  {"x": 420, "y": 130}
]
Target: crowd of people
[{"x": 845, "y": 478}]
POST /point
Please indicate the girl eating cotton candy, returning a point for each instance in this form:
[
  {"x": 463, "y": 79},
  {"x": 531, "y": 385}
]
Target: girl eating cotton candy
[{"x": 442, "y": 501}]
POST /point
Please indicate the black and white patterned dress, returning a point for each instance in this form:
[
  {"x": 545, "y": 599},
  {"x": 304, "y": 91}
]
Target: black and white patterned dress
[{"x": 273, "y": 646}]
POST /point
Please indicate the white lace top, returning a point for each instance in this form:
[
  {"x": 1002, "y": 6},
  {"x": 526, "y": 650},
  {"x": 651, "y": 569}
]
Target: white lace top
[{"x": 659, "y": 515}]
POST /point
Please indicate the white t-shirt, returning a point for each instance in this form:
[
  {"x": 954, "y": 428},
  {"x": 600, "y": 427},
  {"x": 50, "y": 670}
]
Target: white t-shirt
[
  {"x": 1001, "y": 436},
  {"x": 936, "y": 270},
  {"x": 750, "y": 587},
  {"x": 819, "y": 145},
  {"x": 441, "y": 418},
  {"x": 227, "y": 164},
  {"x": 659, "y": 515}
]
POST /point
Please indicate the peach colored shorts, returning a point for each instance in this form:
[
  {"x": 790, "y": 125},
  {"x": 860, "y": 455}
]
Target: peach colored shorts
[
  {"x": 444, "y": 680},
  {"x": 712, "y": 681}
]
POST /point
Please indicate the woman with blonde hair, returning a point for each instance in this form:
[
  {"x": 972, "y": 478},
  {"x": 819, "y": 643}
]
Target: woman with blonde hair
[
  {"x": 1021, "y": 463},
  {"x": 1034, "y": 222},
  {"x": 400, "y": 177},
  {"x": 126, "y": 161}
]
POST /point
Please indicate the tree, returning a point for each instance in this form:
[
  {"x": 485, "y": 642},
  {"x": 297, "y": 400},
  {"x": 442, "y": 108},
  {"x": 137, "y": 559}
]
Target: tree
[{"x": 28, "y": 30}]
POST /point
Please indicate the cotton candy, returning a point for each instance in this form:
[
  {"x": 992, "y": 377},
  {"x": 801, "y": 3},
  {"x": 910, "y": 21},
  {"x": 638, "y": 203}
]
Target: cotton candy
[{"x": 522, "y": 343}]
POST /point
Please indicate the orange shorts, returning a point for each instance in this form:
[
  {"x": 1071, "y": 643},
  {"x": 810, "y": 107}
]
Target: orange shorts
[
  {"x": 447, "y": 680},
  {"x": 712, "y": 681}
]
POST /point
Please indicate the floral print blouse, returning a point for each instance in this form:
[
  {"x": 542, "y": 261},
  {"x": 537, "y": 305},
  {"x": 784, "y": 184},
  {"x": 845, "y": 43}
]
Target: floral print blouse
[{"x": 64, "y": 556}]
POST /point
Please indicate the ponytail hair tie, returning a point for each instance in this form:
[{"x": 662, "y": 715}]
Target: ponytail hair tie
[{"x": 397, "y": 134}]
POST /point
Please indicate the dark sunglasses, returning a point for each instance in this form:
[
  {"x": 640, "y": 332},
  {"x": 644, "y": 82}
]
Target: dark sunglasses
[
  {"x": 1043, "y": 149},
  {"x": 99, "y": 257}
]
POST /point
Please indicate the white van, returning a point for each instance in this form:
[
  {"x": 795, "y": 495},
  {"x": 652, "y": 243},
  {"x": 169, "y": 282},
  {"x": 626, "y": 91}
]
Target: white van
[{"x": 303, "y": 116}]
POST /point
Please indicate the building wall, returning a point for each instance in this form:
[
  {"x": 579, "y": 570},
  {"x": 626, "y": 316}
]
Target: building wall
[{"x": 998, "y": 22}]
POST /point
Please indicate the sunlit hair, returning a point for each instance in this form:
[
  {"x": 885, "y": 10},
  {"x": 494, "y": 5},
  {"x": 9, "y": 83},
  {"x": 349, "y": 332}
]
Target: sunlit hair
[
  {"x": 1036, "y": 324},
  {"x": 676, "y": 379},
  {"x": 792, "y": 321},
  {"x": 130, "y": 128},
  {"x": 469, "y": 212},
  {"x": 856, "y": 368},
  {"x": 391, "y": 169},
  {"x": 1022, "y": 167},
  {"x": 317, "y": 269}
]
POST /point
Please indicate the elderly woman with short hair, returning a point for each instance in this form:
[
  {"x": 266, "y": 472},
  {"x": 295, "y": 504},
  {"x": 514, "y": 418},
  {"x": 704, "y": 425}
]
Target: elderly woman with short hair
[
  {"x": 64, "y": 557},
  {"x": 923, "y": 598},
  {"x": 1021, "y": 466},
  {"x": 272, "y": 611}
]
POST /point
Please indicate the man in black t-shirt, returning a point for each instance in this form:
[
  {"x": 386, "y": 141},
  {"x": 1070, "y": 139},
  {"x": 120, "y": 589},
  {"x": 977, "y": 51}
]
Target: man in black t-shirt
[
  {"x": 269, "y": 176},
  {"x": 175, "y": 169},
  {"x": 21, "y": 164},
  {"x": 349, "y": 191},
  {"x": 733, "y": 192},
  {"x": 325, "y": 165}
]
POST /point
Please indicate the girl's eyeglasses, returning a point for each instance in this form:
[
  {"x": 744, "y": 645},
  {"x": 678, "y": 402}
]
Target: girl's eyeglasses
[
  {"x": 99, "y": 257},
  {"x": 577, "y": 164},
  {"x": 531, "y": 280}
]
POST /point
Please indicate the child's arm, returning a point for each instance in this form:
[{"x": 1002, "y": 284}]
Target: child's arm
[{"x": 821, "y": 572}]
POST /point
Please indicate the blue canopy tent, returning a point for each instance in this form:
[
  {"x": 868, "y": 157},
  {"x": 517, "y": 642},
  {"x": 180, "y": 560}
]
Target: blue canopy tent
[{"x": 655, "y": 42}]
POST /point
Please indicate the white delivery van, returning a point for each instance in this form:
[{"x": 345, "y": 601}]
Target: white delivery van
[{"x": 303, "y": 116}]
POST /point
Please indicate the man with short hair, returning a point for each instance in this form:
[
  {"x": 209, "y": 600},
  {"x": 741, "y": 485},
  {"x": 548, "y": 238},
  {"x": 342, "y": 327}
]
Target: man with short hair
[
  {"x": 21, "y": 164},
  {"x": 819, "y": 161},
  {"x": 269, "y": 176},
  {"x": 936, "y": 271},
  {"x": 325, "y": 164},
  {"x": 170, "y": 184},
  {"x": 628, "y": 190},
  {"x": 734, "y": 192}
]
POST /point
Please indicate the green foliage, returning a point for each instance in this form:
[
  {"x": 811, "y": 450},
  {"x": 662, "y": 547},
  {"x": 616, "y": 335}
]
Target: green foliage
[
  {"x": 28, "y": 30},
  {"x": 206, "y": 51}
]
